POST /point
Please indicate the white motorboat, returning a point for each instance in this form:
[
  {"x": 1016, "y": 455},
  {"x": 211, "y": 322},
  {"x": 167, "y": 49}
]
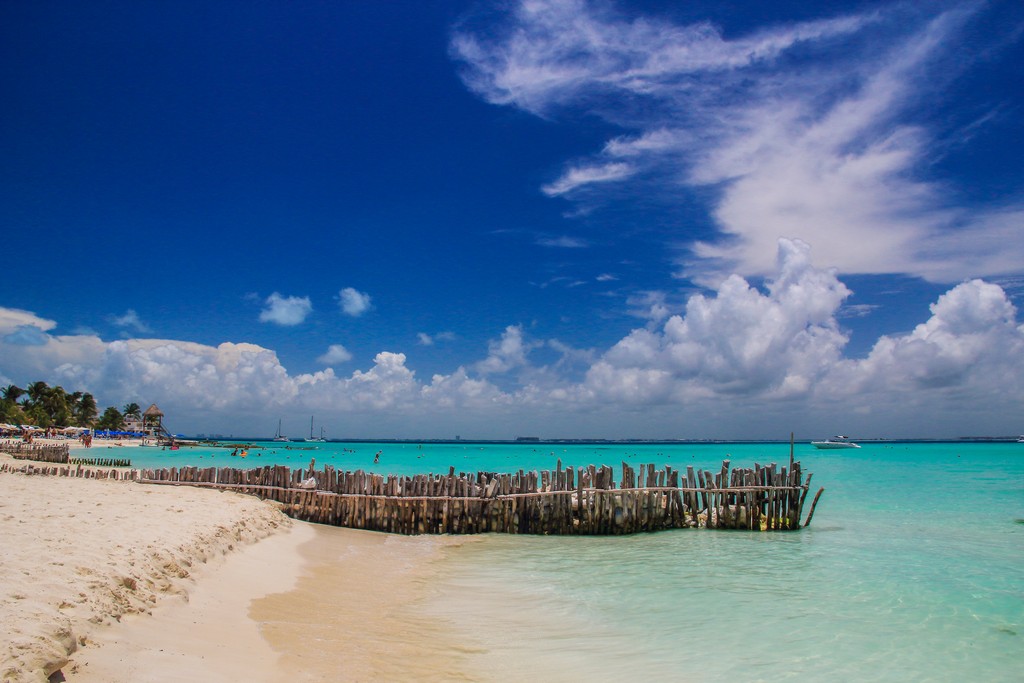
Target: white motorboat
[{"x": 835, "y": 442}]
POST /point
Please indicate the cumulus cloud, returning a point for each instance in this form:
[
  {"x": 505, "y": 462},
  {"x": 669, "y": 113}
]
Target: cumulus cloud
[
  {"x": 773, "y": 351},
  {"x": 286, "y": 310},
  {"x": 803, "y": 130},
  {"x": 354, "y": 302},
  {"x": 971, "y": 340},
  {"x": 26, "y": 335},
  {"x": 506, "y": 353},
  {"x": 741, "y": 341},
  {"x": 336, "y": 355}
]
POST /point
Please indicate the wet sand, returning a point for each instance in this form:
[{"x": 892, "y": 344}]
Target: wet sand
[{"x": 315, "y": 603}]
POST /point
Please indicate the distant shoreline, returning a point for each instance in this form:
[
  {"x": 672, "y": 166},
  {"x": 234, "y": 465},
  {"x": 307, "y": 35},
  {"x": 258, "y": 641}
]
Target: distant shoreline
[{"x": 614, "y": 442}]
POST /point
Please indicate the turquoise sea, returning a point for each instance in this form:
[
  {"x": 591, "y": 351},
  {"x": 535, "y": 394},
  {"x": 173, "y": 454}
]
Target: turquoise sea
[{"x": 912, "y": 570}]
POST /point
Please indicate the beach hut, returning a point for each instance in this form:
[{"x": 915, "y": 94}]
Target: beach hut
[{"x": 152, "y": 421}]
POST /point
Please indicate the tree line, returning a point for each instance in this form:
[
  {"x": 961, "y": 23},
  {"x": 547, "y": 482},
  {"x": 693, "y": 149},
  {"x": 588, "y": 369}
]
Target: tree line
[{"x": 44, "y": 406}]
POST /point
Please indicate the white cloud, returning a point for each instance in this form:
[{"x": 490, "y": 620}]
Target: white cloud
[
  {"x": 586, "y": 175},
  {"x": 130, "y": 321},
  {"x": 650, "y": 305},
  {"x": 971, "y": 342},
  {"x": 740, "y": 342},
  {"x": 740, "y": 354},
  {"x": 424, "y": 339},
  {"x": 26, "y": 335},
  {"x": 460, "y": 390},
  {"x": 354, "y": 302},
  {"x": 506, "y": 353},
  {"x": 336, "y": 355},
  {"x": 287, "y": 311},
  {"x": 606, "y": 277},
  {"x": 803, "y": 130},
  {"x": 11, "y": 319},
  {"x": 554, "y": 50}
]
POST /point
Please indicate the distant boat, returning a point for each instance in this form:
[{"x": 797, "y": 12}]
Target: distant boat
[
  {"x": 1020, "y": 439},
  {"x": 279, "y": 436},
  {"x": 835, "y": 442},
  {"x": 311, "y": 439}
]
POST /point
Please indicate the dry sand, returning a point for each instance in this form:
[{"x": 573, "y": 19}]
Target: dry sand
[
  {"x": 154, "y": 583},
  {"x": 80, "y": 553}
]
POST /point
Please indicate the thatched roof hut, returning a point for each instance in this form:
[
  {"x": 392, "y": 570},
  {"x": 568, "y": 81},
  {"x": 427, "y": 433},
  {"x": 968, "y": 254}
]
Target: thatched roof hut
[{"x": 153, "y": 411}]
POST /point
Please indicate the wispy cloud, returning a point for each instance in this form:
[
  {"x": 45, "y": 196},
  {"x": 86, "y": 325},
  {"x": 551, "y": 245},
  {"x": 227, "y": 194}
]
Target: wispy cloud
[
  {"x": 285, "y": 310},
  {"x": 856, "y": 311},
  {"x": 563, "y": 242},
  {"x": 353, "y": 302},
  {"x": 130, "y": 321},
  {"x": 586, "y": 175},
  {"x": 818, "y": 143},
  {"x": 650, "y": 305},
  {"x": 424, "y": 339}
]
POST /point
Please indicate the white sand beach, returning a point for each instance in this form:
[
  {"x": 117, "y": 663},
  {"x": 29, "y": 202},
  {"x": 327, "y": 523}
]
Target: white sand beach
[{"x": 118, "y": 581}]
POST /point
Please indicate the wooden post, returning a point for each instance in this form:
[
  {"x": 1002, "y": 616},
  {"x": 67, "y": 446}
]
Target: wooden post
[{"x": 813, "y": 503}]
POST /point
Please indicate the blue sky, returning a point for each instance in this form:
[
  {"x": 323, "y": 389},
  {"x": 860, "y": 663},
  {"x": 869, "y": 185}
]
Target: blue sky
[{"x": 561, "y": 218}]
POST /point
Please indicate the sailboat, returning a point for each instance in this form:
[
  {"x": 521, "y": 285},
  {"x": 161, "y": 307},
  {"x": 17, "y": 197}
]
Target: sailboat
[
  {"x": 314, "y": 440},
  {"x": 279, "y": 436}
]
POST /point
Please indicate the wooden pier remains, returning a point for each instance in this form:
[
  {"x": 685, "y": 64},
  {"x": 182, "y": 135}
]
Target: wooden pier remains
[
  {"x": 563, "y": 501},
  {"x": 101, "y": 462},
  {"x": 39, "y": 452}
]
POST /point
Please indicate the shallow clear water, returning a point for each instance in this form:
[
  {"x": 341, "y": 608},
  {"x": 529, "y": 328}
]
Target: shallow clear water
[{"x": 913, "y": 570}]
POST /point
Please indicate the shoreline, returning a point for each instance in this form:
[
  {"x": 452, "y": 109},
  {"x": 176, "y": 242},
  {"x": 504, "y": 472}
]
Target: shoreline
[
  {"x": 313, "y": 603},
  {"x": 81, "y": 554},
  {"x": 119, "y": 581}
]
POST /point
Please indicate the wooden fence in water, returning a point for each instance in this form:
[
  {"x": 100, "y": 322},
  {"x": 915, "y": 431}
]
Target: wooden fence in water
[
  {"x": 563, "y": 501},
  {"x": 584, "y": 501}
]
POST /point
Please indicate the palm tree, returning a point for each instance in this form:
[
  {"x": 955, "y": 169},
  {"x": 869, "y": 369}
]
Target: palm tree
[
  {"x": 12, "y": 392},
  {"x": 133, "y": 409},
  {"x": 111, "y": 419},
  {"x": 86, "y": 410},
  {"x": 37, "y": 392}
]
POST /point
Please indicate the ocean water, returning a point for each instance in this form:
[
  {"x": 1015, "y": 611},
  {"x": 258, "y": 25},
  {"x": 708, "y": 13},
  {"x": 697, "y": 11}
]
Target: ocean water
[{"x": 912, "y": 570}]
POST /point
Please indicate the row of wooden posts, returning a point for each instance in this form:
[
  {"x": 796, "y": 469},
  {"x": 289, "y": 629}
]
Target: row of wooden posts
[
  {"x": 101, "y": 462},
  {"x": 583, "y": 501},
  {"x": 565, "y": 501},
  {"x": 77, "y": 471},
  {"x": 38, "y": 452}
]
